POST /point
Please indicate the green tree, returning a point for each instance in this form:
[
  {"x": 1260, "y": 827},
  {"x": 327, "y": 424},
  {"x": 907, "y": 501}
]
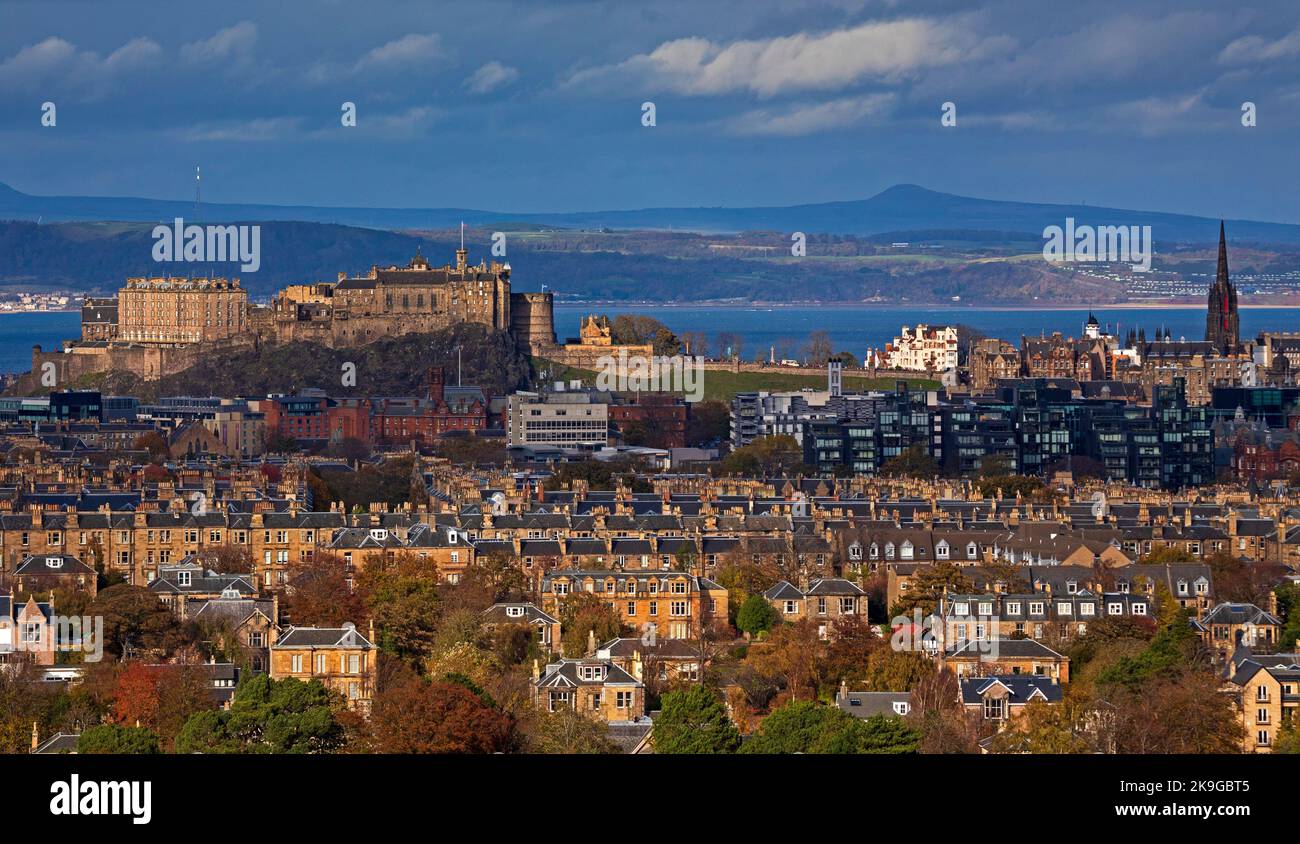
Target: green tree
[
  {"x": 268, "y": 716},
  {"x": 115, "y": 738},
  {"x": 693, "y": 720},
  {"x": 807, "y": 727},
  {"x": 913, "y": 462},
  {"x": 756, "y": 615}
]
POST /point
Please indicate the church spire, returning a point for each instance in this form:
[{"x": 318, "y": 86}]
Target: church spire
[
  {"x": 1222, "y": 273},
  {"x": 1222, "y": 326}
]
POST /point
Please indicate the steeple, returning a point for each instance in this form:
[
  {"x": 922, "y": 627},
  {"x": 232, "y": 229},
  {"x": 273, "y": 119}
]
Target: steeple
[{"x": 1222, "y": 322}]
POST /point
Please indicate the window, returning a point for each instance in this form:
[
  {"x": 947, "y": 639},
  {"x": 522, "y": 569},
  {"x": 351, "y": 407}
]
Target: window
[
  {"x": 821, "y": 606},
  {"x": 848, "y": 606},
  {"x": 1036, "y": 608},
  {"x": 631, "y": 608},
  {"x": 1087, "y": 609},
  {"x": 1013, "y": 608},
  {"x": 623, "y": 700},
  {"x": 791, "y": 607},
  {"x": 514, "y": 612},
  {"x": 678, "y": 608},
  {"x": 961, "y": 608},
  {"x": 296, "y": 663},
  {"x": 1139, "y": 609},
  {"x": 1115, "y": 608},
  {"x": 986, "y": 608},
  {"x": 1064, "y": 609},
  {"x": 902, "y": 707},
  {"x": 182, "y": 578},
  {"x": 995, "y": 709}
]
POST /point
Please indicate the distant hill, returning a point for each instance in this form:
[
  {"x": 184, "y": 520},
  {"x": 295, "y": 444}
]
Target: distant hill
[{"x": 902, "y": 207}]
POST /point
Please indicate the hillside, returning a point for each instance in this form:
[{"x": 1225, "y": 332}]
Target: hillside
[
  {"x": 901, "y": 207},
  {"x": 388, "y": 367}
]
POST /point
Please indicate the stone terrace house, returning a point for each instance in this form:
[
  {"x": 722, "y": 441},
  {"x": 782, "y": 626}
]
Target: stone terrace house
[
  {"x": 824, "y": 601},
  {"x": 340, "y": 657},
  {"x": 671, "y": 660},
  {"x": 1266, "y": 689},
  {"x": 590, "y": 685},
  {"x": 678, "y": 604}
]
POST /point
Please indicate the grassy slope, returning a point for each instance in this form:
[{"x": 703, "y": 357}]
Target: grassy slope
[{"x": 722, "y": 385}]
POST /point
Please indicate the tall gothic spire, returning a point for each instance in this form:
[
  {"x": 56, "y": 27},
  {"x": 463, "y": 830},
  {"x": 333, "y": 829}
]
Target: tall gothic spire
[{"x": 1222, "y": 326}]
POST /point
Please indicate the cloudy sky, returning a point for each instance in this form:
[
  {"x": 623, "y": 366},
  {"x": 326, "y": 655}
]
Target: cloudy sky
[{"x": 530, "y": 106}]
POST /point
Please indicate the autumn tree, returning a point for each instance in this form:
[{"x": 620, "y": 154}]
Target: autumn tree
[
  {"x": 938, "y": 715},
  {"x": 584, "y": 615},
  {"x": 135, "y": 620},
  {"x": 438, "y": 717},
  {"x": 928, "y": 585},
  {"x": 318, "y": 593},
  {"x": 1047, "y": 728},
  {"x": 402, "y": 595},
  {"x": 889, "y": 670},
  {"x": 792, "y": 653},
  {"x": 569, "y": 732},
  {"x": 913, "y": 462}
]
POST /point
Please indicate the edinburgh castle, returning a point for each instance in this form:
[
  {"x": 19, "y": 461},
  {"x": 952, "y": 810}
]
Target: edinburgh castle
[{"x": 159, "y": 326}]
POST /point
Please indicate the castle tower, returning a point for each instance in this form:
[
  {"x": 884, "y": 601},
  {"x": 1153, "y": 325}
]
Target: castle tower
[{"x": 1222, "y": 326}]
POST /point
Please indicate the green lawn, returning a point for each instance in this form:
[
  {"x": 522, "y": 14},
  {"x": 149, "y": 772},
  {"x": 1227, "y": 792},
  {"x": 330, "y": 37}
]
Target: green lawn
[{"x": 723, "y": 385}]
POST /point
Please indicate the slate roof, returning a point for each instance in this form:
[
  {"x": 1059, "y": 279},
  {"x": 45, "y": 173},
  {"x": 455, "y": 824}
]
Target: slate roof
[
  {"x": 1023, "y": 688},
  {"x": 322, "y": 637}
]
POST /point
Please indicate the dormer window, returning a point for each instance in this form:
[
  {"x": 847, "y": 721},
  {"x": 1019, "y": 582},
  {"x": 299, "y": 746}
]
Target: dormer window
[
  {"x": 1182, "y": 587},
  {"x": 54, "y": 562},
  {"x": 855, "y": 551},
  {"x": 1071, "y": 587},
  {"x": 972, "y": 551},
  {"x": 182, "y": 578},
  {"x": 379, "y": 534},
  {"x": 514, "y": 612}
]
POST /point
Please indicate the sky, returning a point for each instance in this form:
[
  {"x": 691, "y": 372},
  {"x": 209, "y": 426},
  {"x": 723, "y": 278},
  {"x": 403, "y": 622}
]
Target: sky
[{"x": 527, "y": 105}]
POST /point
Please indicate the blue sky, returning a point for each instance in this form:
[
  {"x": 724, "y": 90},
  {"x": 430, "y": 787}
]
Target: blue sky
[{"x": 536, "y": 106}]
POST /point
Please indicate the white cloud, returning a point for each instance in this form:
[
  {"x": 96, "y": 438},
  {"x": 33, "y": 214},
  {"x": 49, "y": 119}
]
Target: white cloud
[
  {"x": 803, "y": 61},
  {"x": 807, "y": 119},
  {"x": 1252, "y": 49},
  {"x": 234, "y": 43},
  {"x": 56, "y": 62},
  {"x": 409, "y": 50},
  {"x": 258, "y": 129},
  {"x": 491, "y": 76}
]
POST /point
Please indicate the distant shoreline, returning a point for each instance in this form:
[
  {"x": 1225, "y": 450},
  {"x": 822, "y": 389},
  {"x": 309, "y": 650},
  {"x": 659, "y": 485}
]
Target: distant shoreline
[{"x": 1150, "y": 306}]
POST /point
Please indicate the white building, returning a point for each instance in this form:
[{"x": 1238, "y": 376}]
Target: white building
[
  {"x": 573, "y": 418},
  {"x": 928, "y": 348}
]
